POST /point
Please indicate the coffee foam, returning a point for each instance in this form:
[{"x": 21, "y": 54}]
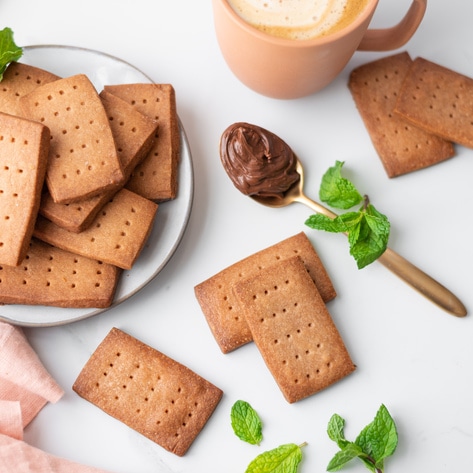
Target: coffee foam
[{"x": 298, "y": 19}]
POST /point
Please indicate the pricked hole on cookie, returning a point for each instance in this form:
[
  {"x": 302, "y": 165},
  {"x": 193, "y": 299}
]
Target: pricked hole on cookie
[
  {"x": 73, "y": 286},
  {"x": 48, "y": 284},
  {"x": 276, "y": 341},
  {"x": 97, "y": 284}
]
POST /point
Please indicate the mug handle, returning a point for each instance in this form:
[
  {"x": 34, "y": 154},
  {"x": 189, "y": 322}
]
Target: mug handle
[{"x": 396, "y": 36}]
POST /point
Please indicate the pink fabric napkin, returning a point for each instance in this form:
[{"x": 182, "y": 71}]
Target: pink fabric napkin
[{"x": 25, "y": 388}]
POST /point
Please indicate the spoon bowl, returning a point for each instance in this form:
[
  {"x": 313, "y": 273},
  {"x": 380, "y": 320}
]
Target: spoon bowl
[{"x": 411, "y": 274}]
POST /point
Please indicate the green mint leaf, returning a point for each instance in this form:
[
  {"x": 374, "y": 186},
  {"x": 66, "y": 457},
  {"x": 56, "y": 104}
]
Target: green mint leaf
[
  {"x": 341, "y": 458},
  {"x": 379, "y": 439},
  {"x": 374, "y": 444},
  {"x": 9, "y": 51},
  {"x": 246, "y": 423},
  {"x": 369, "y": 238},
  {"x": 337, "y": 191},
  {"x": 283, "y": 459},
  {"x": 335, "y": 430}
]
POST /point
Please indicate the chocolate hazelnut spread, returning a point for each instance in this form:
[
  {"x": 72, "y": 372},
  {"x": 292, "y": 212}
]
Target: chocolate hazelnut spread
[{"x": 257, "y": 161}]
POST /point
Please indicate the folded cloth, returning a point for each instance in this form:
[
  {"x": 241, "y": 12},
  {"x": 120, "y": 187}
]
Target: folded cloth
[
  {"x": 25, "y": 388},
  {"x": 18, "y": 457},
  {"x": 23, "y": 377}
]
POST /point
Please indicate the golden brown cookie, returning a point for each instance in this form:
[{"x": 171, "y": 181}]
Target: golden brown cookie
[
  {"x": 293, "y": 329},
  {"x": 148, "y": 391},
  {"x": 116, "y": 236},
  {"x": 83, "y": 160},
  {"x": 54, "y": 277},
  {"x": 438, "y": 100},
  {"x": 156, "y": 176},
  {"x": 24, "y": 147},
  {"x": 18, "y": 80},
  {"x": 401, "y": 146}
]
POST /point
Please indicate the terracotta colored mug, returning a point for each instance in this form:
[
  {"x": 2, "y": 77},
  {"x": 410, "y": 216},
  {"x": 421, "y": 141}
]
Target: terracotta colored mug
[{"x": 286, "y": 68}]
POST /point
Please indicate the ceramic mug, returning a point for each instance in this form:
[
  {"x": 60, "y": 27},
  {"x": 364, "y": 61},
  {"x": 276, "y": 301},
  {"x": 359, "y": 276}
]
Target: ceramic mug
[{"x": 286, "y": 68}]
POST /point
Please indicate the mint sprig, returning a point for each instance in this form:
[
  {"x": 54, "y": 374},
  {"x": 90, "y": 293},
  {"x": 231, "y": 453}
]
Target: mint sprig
[
  {"x": 377, "y": 441},
  {"x": 9, "y": 51},
  {"x": 246, "y": 423},
  {"x": 282, "y": 459},
  {"x": 367, "y": 229}
]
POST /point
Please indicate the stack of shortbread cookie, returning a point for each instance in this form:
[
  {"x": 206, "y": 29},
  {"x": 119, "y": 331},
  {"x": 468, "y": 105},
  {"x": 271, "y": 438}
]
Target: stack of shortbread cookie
[{"x": 82, "y": 175}]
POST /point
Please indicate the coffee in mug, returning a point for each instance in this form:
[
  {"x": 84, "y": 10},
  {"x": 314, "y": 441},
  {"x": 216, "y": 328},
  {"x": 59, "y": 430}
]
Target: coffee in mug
[
  {"x": 285, "y": 68},
  {"x": 298, "y": 19}
]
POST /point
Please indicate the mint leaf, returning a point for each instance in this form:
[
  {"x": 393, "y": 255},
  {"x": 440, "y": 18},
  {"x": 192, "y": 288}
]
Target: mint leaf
[
  {"x": 337, "y": 191},
  {"x": 377, "y": 441},
  {"x": 367, "y": 229},
  {"x": 335, "y": 430},
  {"x": 348, "y": 453},
  {"x": 283, "y": 459},
  {"x": 9, "y": 51},
  {"x": 246, "y": 423},
  {"x": 368, "y": 239}
]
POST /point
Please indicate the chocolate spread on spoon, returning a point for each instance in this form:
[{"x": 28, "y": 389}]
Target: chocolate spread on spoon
[{"x": 257, "y": 161}]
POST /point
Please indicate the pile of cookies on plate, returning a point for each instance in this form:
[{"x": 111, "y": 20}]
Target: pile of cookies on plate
[{"x": 81, "y": 177}]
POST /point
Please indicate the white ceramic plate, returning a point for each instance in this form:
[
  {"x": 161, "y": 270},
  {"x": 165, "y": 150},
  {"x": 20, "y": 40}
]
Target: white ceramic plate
[{"x": 172, "y": 216}]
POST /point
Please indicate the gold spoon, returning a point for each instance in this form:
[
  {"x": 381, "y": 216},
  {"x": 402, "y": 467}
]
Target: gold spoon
[{"x": 412, "y": 275}]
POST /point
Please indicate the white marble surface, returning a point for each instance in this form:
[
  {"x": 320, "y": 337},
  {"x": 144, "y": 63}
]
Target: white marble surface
[{"x": 411, "y": 355}]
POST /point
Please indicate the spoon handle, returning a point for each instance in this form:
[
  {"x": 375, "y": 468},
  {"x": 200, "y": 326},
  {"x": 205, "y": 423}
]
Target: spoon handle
[{"x": 411, "y": 274}]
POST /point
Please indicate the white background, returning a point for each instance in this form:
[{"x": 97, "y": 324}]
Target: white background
[{"x": 411, "y": 355}]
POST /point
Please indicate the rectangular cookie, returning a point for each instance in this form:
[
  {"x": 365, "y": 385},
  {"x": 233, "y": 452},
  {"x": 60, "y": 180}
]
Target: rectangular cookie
[
  {"x": 134, "y": 135},
  {"x": 24, "y": 147},
  {"x": 116, "y": 236},
  {"x": 53, "y": 277},
  {"x": 18, "y": 80},
  {"x": 293, "y": 329},
  {"x": 148, "y": 391},
  {"x": 438, "y": 100},
  {"x": 219, "y": 305},
  {"x": 156, "y": 176},
  {"x": 401, "y": 146},
  {"x": 83, "y": 159}
]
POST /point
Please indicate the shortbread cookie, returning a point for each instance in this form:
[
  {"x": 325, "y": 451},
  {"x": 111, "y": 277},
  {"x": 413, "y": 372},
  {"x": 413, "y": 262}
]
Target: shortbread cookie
[
  {"x": 18, "y": 80},
  {"x": 148, "y": 391},
  {"x": 220, "y": 306},
  {"x": 83, "y": 160},
  {"x": 293, "y": 329},
  {"x": 134, "y": 135},
  {"x": 24, "y": 147},
  {"x": 438, "y": 100},
  {"x": 116, "y": 236},
  {"x": 402, "y": 147},
  {"x": 53, "y": 277},
  {"x": 156, "y": 176}
]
